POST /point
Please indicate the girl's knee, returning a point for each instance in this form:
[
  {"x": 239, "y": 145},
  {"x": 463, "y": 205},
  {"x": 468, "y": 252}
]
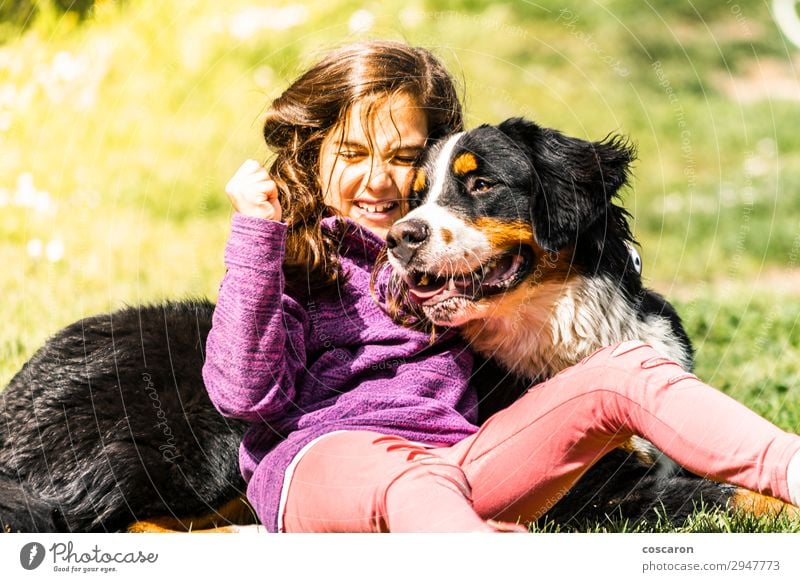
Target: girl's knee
[
  {"x": 625, "y": 367},
  {"x": 433, "y": 472},
  {"x": 415, "y": 462},
  {"x": 632, "y": 355}
]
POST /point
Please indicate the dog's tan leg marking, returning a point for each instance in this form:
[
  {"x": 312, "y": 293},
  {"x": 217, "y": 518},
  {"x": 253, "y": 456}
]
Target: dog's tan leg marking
[
  {"x": 762, "y": 505},
  {"x": 236, "y": 511}
]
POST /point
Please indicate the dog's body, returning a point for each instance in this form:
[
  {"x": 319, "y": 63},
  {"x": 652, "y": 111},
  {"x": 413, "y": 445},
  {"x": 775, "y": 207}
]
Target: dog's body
[{"x": 110, "y": 422}]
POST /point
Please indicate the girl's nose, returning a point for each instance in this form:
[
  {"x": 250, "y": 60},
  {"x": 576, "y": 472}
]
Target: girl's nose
[{"x": 380, "y": 178}]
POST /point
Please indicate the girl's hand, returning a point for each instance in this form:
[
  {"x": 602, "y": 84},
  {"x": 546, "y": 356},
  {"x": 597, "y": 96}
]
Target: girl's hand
[{"x": 252, "y": 193}]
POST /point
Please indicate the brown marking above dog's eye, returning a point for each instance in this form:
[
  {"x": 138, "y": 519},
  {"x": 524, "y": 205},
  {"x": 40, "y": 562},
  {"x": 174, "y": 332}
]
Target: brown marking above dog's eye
[
  {"x": 447, "y": 236},
  {"x": 464, "y": 164},
  {"x": 420, "y": 179}
]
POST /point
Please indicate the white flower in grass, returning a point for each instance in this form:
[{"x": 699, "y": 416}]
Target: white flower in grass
[
  {"x": 86, "y": 99},
  {"x": 8, "y": 94},
  {"x": 727, "y": 196},
  {"x": 411, "y": 16},
  {"x": 361, "y": 21},
  {"x": 288, "y": 17},
  {"x": 35, "y": 248},
  {"x": 66, "y": 67},
  {"x": 28, "y": 196},
  {"x": 672, "y": 203},
  {"x": 250, "y": 21},
  {"x": 25, "y": 193},
  {"x": 54, "y": 250},
  {"x": 263, "y": 76},
  {"x": 755, "y": 166},
  {"x": 43, "y": 203},
  {"x": 243, "y": 25},
  {"x": 4, "y": 197}
]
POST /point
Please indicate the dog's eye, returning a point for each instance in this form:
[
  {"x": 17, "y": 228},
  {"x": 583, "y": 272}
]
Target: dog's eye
[
  {"x": 636, "y": 258},
  {"x": 481, "y": 185}
]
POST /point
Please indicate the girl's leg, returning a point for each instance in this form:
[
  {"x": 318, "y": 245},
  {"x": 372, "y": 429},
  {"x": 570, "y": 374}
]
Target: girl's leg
[
  {"x": 525, "y": 458},
  {"x": 358, "y": 481}
]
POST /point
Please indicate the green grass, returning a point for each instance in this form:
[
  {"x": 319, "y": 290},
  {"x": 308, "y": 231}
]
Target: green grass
[
  {"x": 703, "y": 520},
  {"x": 132, "y": 120}
]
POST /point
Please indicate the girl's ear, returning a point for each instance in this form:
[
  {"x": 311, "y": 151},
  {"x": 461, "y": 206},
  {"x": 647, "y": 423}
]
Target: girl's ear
[{"x": 573, "y": 180}]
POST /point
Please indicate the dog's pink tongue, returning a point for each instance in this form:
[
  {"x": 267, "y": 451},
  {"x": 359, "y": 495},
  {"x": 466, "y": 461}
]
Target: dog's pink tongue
[{"x": 433, "y": 295}]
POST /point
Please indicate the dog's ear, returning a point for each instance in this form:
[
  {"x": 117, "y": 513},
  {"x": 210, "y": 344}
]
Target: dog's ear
[{"x": 574, "y": 180}]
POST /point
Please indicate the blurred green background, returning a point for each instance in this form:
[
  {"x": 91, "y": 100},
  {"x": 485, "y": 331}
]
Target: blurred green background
[{"x": 120, "y": 123}]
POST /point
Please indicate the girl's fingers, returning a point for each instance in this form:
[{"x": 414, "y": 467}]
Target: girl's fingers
[
  {"x": 267, "y": 188},
  {"x": 249, "y": 166},
  {"x": 251, "y": 191},
  {"x": 261, "y": 174}
]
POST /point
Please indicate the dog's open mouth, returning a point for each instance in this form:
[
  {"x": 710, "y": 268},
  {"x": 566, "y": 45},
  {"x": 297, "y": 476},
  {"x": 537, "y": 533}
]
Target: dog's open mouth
[{"x": 501, "y": 273}]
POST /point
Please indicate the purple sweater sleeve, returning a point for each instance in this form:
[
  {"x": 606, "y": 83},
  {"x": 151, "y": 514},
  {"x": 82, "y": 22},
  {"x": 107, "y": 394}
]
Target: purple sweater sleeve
[{"x": 256, "y": 347}]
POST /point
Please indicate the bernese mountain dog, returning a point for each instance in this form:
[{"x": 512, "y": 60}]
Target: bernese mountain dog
[{"x": 520, "y": 241}]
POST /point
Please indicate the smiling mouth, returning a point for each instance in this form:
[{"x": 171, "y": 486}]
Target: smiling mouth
[
  {"x": 376, "y": 208},
  {"x": 499, "y": 274}
]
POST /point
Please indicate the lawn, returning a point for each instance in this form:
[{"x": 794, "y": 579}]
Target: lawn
[{"x": 118, "y": 132}]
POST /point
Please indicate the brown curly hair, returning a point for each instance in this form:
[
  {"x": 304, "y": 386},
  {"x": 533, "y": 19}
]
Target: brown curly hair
[{"x": 298, "y": 121}]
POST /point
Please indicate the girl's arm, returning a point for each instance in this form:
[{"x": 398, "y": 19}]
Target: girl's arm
[{"x": 256, "y": 348}]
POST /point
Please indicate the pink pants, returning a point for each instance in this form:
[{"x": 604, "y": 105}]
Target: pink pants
[{"x": 527, "y": 456}]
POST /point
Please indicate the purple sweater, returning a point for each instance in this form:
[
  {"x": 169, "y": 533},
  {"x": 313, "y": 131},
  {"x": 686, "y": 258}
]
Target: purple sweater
[{"x": 297, "y": 369}]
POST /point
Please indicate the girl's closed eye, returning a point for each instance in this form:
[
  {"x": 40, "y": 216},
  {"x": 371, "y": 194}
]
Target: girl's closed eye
[
  {"x": 351, "y": 155},
  {"x": 406, "y": 158}
]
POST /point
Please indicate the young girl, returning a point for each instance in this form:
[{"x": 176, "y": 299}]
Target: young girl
[{"x": 359, "y": 424}]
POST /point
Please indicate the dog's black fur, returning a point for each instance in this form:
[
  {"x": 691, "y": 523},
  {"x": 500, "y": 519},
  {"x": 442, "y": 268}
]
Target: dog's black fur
[{"x": 109, "y": 422}]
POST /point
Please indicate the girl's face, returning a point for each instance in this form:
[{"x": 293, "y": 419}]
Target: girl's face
[{"x": 366, "y": 165}]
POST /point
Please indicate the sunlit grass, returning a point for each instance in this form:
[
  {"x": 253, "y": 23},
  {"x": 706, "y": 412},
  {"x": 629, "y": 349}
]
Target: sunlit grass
[{"x": 702, "y": 520}]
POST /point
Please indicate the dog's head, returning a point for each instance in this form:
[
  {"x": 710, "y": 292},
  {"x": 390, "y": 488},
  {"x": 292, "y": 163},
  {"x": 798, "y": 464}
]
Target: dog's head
[{"x": 506, "y": 204}]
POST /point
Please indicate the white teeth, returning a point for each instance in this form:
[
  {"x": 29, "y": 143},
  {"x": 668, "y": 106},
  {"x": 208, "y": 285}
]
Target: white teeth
[{"x": 376, "y": 208}]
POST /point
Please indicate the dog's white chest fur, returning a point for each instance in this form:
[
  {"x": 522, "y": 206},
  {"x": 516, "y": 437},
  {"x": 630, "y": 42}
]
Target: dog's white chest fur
[{"x": 551, "y": 333}]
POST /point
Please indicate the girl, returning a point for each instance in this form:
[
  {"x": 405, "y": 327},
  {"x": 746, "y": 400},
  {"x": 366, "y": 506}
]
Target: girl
[{"x": 359, "y": 424}]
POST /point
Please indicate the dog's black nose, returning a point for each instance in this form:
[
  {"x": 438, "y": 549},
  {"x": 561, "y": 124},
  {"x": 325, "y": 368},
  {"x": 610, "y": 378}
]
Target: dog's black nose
[{"x": 405, "y": 237}]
